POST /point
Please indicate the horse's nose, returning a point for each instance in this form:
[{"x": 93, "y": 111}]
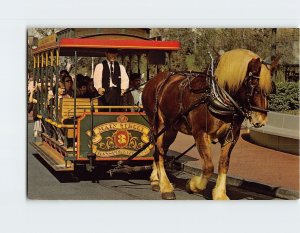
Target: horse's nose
[{"x": 258, "y": 125}]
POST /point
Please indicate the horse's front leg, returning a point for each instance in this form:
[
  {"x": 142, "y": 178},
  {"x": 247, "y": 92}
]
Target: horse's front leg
[
  {"x": 219, "y": 192},
  {"x": 198, "y": 183}
]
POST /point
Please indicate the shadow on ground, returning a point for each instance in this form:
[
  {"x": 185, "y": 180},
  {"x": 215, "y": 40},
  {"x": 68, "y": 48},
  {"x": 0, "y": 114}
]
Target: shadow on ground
[{"x": 99, "y": 173}]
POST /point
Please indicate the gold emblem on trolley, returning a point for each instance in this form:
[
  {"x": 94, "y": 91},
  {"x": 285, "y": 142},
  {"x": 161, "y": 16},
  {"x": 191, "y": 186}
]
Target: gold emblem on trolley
[{"x": 120, "y": 138}]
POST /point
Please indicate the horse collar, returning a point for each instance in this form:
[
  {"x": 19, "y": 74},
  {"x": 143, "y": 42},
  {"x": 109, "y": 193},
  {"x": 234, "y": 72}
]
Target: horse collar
[{"x": 220, "y": 102}]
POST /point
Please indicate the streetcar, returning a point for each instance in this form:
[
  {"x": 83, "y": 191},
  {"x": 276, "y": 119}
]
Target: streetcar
[{"x": 80, "y": 131}]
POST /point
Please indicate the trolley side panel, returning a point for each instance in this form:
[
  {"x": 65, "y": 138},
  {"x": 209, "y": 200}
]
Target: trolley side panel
[{"x": 116, "y": 136}]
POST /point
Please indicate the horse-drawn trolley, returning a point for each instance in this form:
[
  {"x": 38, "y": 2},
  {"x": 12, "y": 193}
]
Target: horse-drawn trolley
[{"x": 82, "y": 131}]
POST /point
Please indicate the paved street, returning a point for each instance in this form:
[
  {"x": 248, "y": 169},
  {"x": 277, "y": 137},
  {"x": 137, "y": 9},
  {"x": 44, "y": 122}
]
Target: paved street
[{"x": 45, "y": 184}]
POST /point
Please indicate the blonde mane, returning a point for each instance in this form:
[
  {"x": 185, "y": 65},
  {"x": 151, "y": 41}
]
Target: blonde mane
[{"x": 232, "y": 68}]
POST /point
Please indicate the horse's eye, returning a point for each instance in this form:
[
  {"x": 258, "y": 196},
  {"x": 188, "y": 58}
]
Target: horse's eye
[{"x": 254, "y": 81}]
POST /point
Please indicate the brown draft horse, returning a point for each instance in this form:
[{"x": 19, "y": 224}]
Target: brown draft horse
[{"x": 209, "y": 111}]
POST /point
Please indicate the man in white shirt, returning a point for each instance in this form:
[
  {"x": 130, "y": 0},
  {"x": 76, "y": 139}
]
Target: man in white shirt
[{"x": 111, "y": 79}]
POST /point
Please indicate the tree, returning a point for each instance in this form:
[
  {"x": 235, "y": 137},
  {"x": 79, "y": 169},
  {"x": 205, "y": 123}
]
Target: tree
[{"x": 197, "y": 42}]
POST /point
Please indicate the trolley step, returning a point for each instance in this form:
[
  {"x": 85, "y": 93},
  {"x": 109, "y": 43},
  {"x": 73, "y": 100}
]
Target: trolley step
[{"x": 52, "y": 157}]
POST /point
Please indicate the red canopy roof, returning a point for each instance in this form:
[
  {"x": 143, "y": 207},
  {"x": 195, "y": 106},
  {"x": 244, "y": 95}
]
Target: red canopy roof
[
  {"x": 86, "y": 45},
  {"x": 119, "y": 44}
]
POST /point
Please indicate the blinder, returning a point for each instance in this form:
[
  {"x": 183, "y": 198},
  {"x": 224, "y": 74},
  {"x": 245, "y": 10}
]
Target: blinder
[{"x": 251, "y": 83}]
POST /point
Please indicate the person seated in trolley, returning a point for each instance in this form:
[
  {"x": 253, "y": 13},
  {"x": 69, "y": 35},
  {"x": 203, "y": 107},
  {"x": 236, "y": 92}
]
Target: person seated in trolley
[
  {"x": 111, "y": 79},
  {"x": 63, "y": 74},
  {"x": 135, "y": 86},
  {"x": 92, "y": 92},
  {"x": 82, "y": 86},
  {"x": 132, "y": 96},
  {"x": 68, "y": 83}
]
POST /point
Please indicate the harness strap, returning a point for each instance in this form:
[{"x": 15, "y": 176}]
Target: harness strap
[
  {"x": 160, "y": 86},
  {"x": 218, "y": 102},
  {"x": 234, "y": 103},
  {"x": 182, "y": 86},
  {"x": 258, "y": 109}
]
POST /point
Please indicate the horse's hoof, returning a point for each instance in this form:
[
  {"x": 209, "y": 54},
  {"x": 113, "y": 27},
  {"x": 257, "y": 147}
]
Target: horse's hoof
[
  {"x": 187, "y": 187},
  {"x": 155, "y": 187},
  {"x": 168, "y": 196},
  {"x": 221, "y": 195}
]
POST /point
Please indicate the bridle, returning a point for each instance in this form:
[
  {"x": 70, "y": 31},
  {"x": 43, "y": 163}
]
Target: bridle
[{"x": 252, "y": 89}]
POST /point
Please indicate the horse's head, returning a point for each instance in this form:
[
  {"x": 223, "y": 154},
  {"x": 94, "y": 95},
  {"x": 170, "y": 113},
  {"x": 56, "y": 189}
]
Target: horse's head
[
  {"x": 248, "y": 79},
  {"x": 255, "y": 90}
]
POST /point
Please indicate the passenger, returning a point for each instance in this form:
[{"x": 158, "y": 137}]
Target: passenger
[
  {"x": 133, "y": 95},
  {"x": 30, "y": 93},
  {"x": 82, "y": 86},
  {"x": 37, "y": 129},
  {"x": 111, "y": 79},
  {"x": 68, "y": 83},
  {"x": 32, "y": 99},
  {"x": 61, "y": 93},
  {"x": 63, "y": 74},
  {"x": 92, "y": 92},
  {"x": 135, "y": 86},
  {"x": 61, "y": 90}
]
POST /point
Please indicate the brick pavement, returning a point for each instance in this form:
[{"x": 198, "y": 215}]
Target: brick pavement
[{"x": 251, "y": 162}]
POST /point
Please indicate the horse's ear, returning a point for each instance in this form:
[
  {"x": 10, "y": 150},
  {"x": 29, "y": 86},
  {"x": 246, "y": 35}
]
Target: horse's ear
[
  {"x": 254, "y": 66},
  {"x": 256, "y": 61},
  {"x": 275, "y": 63}
]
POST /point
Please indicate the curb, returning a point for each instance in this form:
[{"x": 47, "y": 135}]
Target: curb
[{"x": 266, "y": 189}]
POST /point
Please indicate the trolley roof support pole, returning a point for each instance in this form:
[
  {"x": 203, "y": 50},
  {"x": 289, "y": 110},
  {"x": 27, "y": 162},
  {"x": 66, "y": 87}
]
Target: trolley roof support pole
[
  {"x": 43, "y": 86},
  {"x": 130, "y": 63},
  {"x": 75, "y": 95},
  {"x": 169, "y": 61},
  {"x": 91, "y": 155},
  {"x": 139, "y": 60},
  {"x": 38, "y": 82},
  {"x": 46, "y": 86},
  {"x": 34, "y": 73},
  {"x": 51, "y": 72},
  {"x": 56, "y": 84},
  {"x": 34, "y": 70},
  {"x": 148, "y": 72},
  {"x": 93, "y": 64}
]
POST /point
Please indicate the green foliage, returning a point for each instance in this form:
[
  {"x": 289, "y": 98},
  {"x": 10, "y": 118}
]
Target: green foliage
[
  {"x": 197, "y": 42},
  {"x": 286, "y": 98}
]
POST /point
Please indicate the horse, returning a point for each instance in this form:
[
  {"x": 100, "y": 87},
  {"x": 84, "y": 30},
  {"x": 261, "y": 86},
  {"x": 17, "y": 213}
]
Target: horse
[{"x": 211, "y": 108}]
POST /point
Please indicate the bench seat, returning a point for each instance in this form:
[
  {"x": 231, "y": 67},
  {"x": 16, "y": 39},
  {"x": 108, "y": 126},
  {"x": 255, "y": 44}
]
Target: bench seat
[{"x": 66, "y": 109}]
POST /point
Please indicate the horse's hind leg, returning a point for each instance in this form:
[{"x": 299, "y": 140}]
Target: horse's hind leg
[
  {"x": 168, "y": 138},
  {"x": 198, "y": 183},
  {"x": 154, "y": 180},
  {"x": 163, "y": 142}
]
